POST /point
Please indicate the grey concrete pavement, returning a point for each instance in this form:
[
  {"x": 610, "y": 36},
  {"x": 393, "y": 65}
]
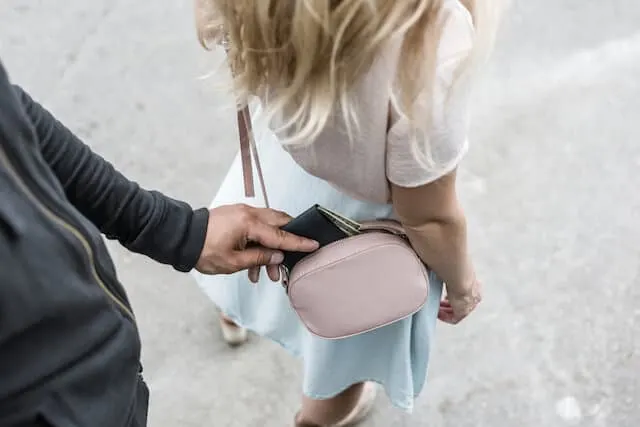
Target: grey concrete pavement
[{"x": 550, "y": 187}]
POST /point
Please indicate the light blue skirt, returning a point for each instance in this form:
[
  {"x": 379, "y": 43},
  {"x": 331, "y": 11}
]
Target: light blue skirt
[{"x": 395, "y": 356}]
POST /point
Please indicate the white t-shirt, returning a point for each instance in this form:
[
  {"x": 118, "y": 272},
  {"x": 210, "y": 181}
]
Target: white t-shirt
[{"x": 380, "y": 153}]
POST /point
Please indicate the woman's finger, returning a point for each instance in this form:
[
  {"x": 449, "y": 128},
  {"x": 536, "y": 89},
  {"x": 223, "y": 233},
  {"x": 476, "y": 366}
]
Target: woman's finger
[{"x": 445, "y": 317}]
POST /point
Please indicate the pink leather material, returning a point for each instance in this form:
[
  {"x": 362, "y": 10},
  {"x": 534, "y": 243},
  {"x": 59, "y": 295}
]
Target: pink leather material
[{"x": 357, "y": 285}]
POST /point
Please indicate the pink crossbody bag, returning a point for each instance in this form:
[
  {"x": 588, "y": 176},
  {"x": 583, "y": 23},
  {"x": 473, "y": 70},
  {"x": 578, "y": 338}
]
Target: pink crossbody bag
[{"x": 353, "y": 285}]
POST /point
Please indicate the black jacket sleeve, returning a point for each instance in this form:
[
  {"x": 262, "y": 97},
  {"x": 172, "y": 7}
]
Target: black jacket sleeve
[{"x": 146, "y": 222}]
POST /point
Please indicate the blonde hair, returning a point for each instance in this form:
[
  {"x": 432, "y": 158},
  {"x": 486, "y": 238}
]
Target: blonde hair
[{"x": 304, "y": 56}]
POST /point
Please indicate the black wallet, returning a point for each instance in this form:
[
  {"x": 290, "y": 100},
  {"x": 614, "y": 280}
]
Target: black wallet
[{"x": 315, "y": 225}]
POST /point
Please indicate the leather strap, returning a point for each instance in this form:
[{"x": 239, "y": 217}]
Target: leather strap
[
  {"x": 245, "y": 154},
  {"x": 247, "y": 147},
  {"x": 248, "y": 153}
]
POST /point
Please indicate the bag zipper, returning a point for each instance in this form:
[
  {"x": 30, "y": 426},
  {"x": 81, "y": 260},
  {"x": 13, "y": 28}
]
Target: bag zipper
[{"x": 4, "y": 159}]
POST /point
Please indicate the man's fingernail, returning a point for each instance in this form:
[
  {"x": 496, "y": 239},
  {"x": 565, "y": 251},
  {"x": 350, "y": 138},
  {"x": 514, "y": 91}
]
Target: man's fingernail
[{"x": 276, "y": 258}]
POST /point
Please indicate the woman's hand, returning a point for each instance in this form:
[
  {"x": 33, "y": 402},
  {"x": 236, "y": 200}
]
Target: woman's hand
[{"x": 455, "y": 307}]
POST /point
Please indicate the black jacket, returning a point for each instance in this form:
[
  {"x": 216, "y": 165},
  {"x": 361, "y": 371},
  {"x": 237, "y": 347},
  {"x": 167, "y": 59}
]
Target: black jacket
[{"x": 69, "y": 346}]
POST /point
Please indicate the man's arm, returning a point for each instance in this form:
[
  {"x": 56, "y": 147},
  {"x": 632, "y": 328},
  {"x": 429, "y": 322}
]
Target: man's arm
[{"x": 146, "y": 222}]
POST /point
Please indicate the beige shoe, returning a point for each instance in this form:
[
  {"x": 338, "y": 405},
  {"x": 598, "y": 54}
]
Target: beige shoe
[
  {"x": 232, "y": 334},
  {"x": 363, "y": 407}
]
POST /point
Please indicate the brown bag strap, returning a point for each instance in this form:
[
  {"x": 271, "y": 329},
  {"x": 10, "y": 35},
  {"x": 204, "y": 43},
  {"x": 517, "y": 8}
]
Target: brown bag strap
[{"x": 248, "y": 151}]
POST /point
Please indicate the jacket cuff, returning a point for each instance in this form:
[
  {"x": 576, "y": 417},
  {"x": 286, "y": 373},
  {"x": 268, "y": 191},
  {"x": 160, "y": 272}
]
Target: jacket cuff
[{"x": 194, "y": 241}]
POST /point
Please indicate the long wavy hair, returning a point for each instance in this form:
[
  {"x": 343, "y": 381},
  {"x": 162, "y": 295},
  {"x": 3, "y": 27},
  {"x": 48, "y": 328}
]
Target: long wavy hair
[{"x": 304, "y": 56}]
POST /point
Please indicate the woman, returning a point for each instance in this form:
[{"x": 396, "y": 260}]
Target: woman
[{"x": 364, "y": 111}]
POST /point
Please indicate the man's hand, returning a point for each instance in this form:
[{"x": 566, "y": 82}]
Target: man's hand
[{"x": 240, "y": 237}]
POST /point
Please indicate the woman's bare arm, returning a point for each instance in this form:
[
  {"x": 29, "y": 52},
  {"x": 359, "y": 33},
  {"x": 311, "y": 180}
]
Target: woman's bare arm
[{"x": 436, "y": 226}]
